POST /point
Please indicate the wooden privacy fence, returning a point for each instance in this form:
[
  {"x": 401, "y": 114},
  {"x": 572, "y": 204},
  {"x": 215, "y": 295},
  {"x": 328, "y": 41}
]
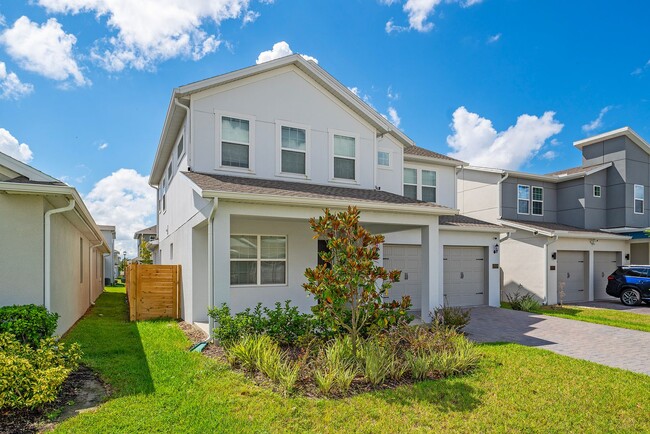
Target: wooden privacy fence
[{"x": 153, "y": 291}]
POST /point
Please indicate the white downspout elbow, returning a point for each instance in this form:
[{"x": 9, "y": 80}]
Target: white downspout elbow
[
  {"x": 47, "y": 254},
  {"x": 501, "y": 193}
]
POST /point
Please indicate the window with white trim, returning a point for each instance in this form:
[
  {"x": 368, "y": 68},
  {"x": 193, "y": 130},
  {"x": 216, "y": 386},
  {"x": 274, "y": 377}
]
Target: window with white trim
[
  {"x": 170, "y": 171},
  {"x": 258, "y": 260},
  {"x": 344, "y": 152},
  {"x": 411, "y": 183},
  {"x": 538, "y": 201},
  {"x": 523, "y": 199},
  {"x": 235, "y": 142},
  {"x": 639, "y": 199},
  {"x": 597, "y": 191},
  {"x": 429, "y": 186},
  {"x": 383, "y": 159},
  {"x": 293, "y": 150},
  {"x": 180, "y": 148}
]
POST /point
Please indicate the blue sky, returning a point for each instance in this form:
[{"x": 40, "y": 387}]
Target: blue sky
[{"x": 507, "y": 83}]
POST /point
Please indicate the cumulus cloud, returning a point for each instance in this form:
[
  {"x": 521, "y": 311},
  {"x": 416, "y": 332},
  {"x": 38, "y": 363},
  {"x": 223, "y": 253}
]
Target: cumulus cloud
[
  {"x": 419, "y": 12},
  {"x": 280, "y": 49},
  {"x": 598, "y": 122},
  {"x": 150, "y": 31},
  {"x": 475, "y": 140},
  {"x": 102, "y": 146},
  {"x": 9, "y": 145},
  {"x": 10, "y": 85},
  {"x": 549, "y": 155},
  {"x": 45, "y": 49},
  {"x": 126, "y": 200}
]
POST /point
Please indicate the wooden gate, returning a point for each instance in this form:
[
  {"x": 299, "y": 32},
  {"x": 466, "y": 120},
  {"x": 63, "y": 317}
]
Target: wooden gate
[{"x": 153, "y": 291}]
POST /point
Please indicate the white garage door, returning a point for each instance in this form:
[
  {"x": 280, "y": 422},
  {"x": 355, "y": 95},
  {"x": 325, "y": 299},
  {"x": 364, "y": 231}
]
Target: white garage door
[
  {"x": 571, "y": 276},
  {"x": 464, "y": 276},
  {"x": 407, "y": 259},
  {"x": 604, "y": 265}
]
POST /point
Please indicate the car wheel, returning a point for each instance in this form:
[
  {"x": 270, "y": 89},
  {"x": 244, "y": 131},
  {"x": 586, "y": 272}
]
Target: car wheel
[{"x": 631, "y": 297}]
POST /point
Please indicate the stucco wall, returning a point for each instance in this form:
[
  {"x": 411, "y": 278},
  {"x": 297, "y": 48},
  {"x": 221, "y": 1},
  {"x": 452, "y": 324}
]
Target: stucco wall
[
  {"x": 390, "y": 178},
  {"x": 523, "y": 265},
  {"x": 478, "y": 194},
  {"x": 445, "y": 181}
]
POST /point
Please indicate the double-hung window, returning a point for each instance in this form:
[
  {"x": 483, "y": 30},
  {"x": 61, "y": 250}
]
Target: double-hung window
[
  {"x": 429, "y": 186},
  {"x": 258, "y": 260},
  {"x": 235, "y": 142},
  {"x": 344, "y": 150},
  {"x": 639, "y": 198},
  {"x": 411, "y": 183},
  {"x": 538, "y": 201},
  {"x": 383, "y": 159},
  {"x": 523, "y": 199},
  {"x": 293, "y": 150},
  {"x": 597, "y": 191}
]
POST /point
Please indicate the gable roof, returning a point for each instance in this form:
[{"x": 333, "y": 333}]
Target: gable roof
[
  {"x": 580, "y": 170},
  {"x": 176, "y": 114},
  {"x": 151, "y": 230},
  {"x": 27, "y": 173},
  {"x": 427, "y": 155},
  {"x": 625, "y": 131},
  {"x": 465, "y": 223},
  {"x": 271, "y": 191},
  {"x": 560, "y": 230}
]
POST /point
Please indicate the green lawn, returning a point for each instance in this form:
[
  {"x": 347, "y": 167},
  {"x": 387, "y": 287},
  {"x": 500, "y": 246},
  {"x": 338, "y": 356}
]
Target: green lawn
[
  {"x": 160, "y": 387},
  {"x": 610, "y": 317}
]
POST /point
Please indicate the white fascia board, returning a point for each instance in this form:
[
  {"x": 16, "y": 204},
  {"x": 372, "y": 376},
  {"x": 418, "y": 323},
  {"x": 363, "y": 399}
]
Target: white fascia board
[
  {"x": 475, "y": 229},
  {"x": 485, "y": 169},
  {"x": 624, "y": 230},
  {"x": 164, "y": 149},
  {"x": 625, "y": 131},
  {"x": 318, "y": 202},
  {"x": 598, "y": 169},
  {"x": 527, "y": 228},
  {"x": 592, "y": 235},
  {"x": 24, "y": 169},
  {"x": 433, "y": 160}
]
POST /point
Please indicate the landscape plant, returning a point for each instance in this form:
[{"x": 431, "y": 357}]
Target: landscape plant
[
  {"x": 28, "y": 323},
  {"x": 524, "y": 302},
  {"x": 451, "y": 317}
]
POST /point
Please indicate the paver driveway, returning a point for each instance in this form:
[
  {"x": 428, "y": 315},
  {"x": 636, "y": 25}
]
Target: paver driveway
[
  {"x": 612, "y": 346},
  {"x": 644, "y": 309}
]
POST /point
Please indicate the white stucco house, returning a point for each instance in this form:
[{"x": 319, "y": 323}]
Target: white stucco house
[
  {"x": 246, "y": 158},
  {"x": 52, "y": 248}
]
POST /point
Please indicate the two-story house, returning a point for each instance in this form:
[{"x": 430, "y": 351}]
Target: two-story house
[
  {"x": 573, "y": 226},
  {"x": 246, "y": 158}
]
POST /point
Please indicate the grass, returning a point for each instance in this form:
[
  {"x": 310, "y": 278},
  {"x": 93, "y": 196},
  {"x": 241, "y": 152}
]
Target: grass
[
  {"x": 610, "y": 317},
  {"x": 160, "y": 387}
]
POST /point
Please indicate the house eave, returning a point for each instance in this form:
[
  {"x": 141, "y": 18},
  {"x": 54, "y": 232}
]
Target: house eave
[
  {"x": 433, "y": 160},
  {"x": 480, "y": 229},
  {"x": 625, "y": 131}
]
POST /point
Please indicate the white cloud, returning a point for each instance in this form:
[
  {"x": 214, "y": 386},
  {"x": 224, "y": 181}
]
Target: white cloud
[
  {"x": 598, "y": 122},
  {"x": 419, "y": 12},
  {"x": 549, "y": 155},
  {"x": 393, "y": 116},
  {"x": 44, "y": 49},
  {"x": 10, "y": 85},
  {"x": 280, "y": 49},
  {"x": 475, "y": 140},
  {"x": 102, "y": 146},
  {"x": 391, "y": 27},
  {"x": 250, "y": 17},
  {"x": 9, "y": 145},
  {"x": 150, "y": 31},
  {"x": 392, "y": 95},
  {"x": 494, "y": 38},
  {"x": 126, "y": 200}
]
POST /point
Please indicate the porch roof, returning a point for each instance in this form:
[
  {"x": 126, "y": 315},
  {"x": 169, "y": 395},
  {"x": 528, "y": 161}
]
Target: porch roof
[
  {"x": 267, "y": 190},
  {"x": 560, "y": 230},
  {"x": 468, "y": 223}
]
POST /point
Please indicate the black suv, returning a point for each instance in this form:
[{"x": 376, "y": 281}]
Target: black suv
[{"x": 631, "y": 283}]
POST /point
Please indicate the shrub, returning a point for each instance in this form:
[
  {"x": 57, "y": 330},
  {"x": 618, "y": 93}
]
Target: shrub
[
  {"x": 452, "y": 317},
  {"x": 324, "y": 380},
  {"x": 336, "y": 366},
  {"x": 462, "y": 358},
  {"x": 288, "y": 375},
  {"x": 526, "y": 302},
  {"x": 28, "y": 323},
  {"x": 418, "y": 364},
  {"x": 246, "y": 351},
  {"x": 377, "y": 360},
  {"x": 30, "y": 377}
]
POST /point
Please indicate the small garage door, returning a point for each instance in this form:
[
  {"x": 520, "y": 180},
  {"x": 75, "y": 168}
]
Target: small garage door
[
  {"x": 407, "y": 259},
  {"x": 464, "y": 276},
  {"x": 604, "y": 265},
  {"x": 571, "y": 276}
]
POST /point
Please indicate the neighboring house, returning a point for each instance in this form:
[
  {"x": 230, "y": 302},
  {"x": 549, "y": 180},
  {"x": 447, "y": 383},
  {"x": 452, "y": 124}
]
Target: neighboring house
[
  {"x": 52, "y": 247},
  {"x": 574, "y": 226},
  {"x": 149, "y": 237},
  {"x": 246, "y": 158},
  {"x": 110, "y": 265}
]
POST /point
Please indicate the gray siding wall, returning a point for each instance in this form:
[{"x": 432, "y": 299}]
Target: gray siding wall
[
  {"x": 571, "y": 202},
  {"x": 595, "y": 207},
  {"x": 509, "y": 200}
]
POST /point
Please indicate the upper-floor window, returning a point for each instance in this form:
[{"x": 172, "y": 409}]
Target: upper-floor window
[
  {"x": 597, "y": 191},
  {"x": 235, "y": 142},
  {"x": 429, "y": 186},
  {"x": 344, "y": 151},
  {"x": 258, "y": 260},
  {"x": 293, "y": 150},
  {"x": 180, "y": 148},
  {"x": 538, "y": 201},
  {"x": 411, "y": 183},
  {"x": 170, "y": 171},
  {"x": 383, "y": 159},
  {"x": 639, "y": 198},
  {"x": 523, "y": 199}
]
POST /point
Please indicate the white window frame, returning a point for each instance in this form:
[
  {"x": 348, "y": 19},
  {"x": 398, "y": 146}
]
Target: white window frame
[
  {"x": 641, "y": 200},
  {"x": 532, "y": 201},
  {"x": 278, "y": 145},
  {"x": 600, "y": 191},
  {"x": 357, "y": 157},
  {"x": 528, "y": 200},
  {"x": 169, "y": 172},
  {"x": 422, "y": 186},
  {"x": 251, "y": 139},
  {"x": 179, "y": 158},
  {"x": 390, "y": 159},
  {"x": 259, "y": 261},
  {"x": 417, "y": 182}
]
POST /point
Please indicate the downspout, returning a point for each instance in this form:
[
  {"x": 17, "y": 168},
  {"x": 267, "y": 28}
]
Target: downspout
[
  {"x": 189, "y": 132},
  {"x": 500, "y": 192},
  {"x": 546, "y": 270},
  {"x": 458, "y": 170},
  {"x": 90, "y": 288},
  {"x": 47, "y": 257},
  {"x": 215, "y": 204}
]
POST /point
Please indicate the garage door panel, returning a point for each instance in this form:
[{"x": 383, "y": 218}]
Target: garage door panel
[
  {"x": 571, "y": 266},
  {"x": 604, "y": 264},
  {"x": 407, "y": 259},
  {"x": 464, "y": 276}
]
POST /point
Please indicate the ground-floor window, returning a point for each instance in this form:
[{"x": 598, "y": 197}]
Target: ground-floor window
[{"x": 258, "y": 260}]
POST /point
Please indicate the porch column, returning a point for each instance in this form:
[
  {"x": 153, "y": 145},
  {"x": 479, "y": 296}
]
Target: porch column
[
  {"x": 432, "y": 296},
  {"x": 221, "y": 256}
]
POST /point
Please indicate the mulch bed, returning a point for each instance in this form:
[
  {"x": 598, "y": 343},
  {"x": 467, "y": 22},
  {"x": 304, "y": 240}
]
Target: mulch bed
[{"x": 73, "y": 396}]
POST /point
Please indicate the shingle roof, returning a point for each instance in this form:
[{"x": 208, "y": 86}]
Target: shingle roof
[
  {"x": 257, "y": 186},
  {"x": 422, "y": 152},
  {"x": 464, "y": 221},
  {"x": 579, "y": 169},
  {"x": 147, "y": 231},
  {"x": 25, "y": 180}
]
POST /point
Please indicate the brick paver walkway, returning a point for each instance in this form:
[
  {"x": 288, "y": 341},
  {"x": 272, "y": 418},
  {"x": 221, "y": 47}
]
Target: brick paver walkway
[{"x": 611, "y": 346}]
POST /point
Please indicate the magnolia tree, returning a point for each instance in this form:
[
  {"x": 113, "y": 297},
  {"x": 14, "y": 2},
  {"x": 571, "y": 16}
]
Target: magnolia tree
[{"x": 349, "y": 284}]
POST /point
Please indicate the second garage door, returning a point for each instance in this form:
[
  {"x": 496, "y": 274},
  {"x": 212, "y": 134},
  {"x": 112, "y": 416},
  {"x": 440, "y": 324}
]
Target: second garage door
[
  {"x": 464, "y": 276},
  {"x": 571, "y": 276},
  {"x": 604, "y": 265},
  {"x": 407, "y": 259}
]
